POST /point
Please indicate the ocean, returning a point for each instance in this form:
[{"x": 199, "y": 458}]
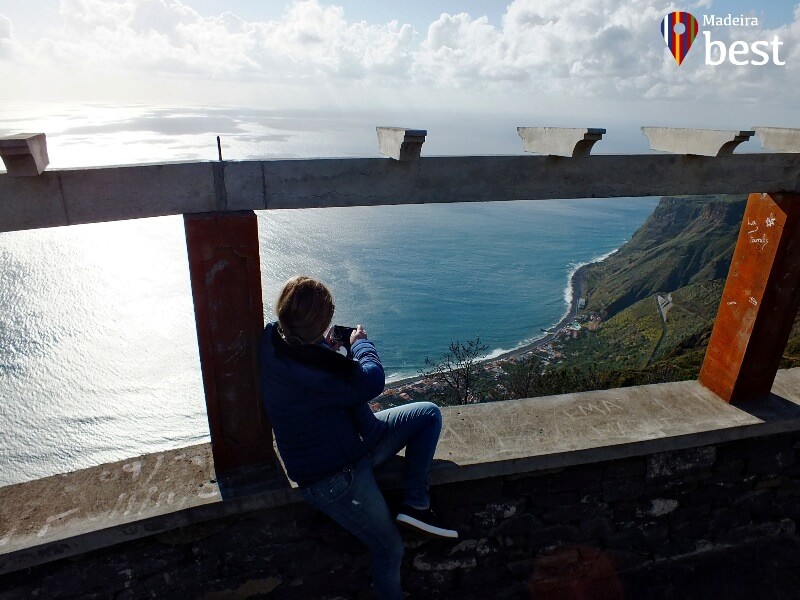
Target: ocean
[{"x": 98, "y": 357}]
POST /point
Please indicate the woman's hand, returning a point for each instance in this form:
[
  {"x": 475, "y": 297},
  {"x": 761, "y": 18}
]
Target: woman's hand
[
  {"x": 358, "y": 334},
  {"x": 329, "y": 338}
]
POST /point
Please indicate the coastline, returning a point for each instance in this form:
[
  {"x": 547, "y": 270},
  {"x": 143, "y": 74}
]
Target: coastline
[{"x": 576, "y": 283}]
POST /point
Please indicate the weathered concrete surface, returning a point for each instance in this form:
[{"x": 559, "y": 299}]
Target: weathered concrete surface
[
  {"x": 369, "y": 182},
  {"x": 779, "y": 139},
  {"x": 94, "y": 195},
  {"x": 557, "y": 431},
  {"x": 560, "y": 141},
  {"x": 114, "y": 194},
  {"x": 97, "y": 507},
  {"x": 24, "y": 154},
  {"x": 400, "y": 143},
  {"x": 760, "y": 301},
  {"x": 701, "y": 142},
  {"x": 71, "y": 197},
  {"x": 37, "y": 203},
  {"x": 244, "y": 185},
  {"x": 68, "y": 514}
]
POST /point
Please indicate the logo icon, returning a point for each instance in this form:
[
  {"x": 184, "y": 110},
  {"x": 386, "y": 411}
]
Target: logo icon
[{"x": 679, "y": 30}]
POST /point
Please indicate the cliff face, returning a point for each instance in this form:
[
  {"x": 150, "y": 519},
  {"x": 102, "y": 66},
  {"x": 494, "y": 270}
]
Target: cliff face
[
  {"x": 685, "y": 247},
  {"x": 686, "y": 240}
]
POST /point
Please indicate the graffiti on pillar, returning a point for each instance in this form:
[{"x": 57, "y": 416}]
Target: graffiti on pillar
[{"x": 755, "y": 236}]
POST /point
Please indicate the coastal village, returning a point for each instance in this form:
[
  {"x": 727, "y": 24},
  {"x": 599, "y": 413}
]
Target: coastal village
[{"x": 549, "y": 349}]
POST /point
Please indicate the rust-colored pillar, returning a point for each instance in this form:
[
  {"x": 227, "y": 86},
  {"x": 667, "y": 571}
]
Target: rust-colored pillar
[
  {"x": 760, "y": 300},
  {"x": 225, "y": 272}
]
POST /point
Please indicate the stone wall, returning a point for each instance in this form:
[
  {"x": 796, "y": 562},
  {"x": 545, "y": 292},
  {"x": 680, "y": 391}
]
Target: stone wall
[{"x": 615, "y": 526}]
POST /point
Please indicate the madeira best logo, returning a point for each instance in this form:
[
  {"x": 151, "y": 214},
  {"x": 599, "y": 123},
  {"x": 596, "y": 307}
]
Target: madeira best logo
[{"x": 680, "y": 29}]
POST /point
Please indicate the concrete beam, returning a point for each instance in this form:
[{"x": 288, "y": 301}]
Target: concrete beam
[
  {"x": 559, "y": 141},
  {"x": 400, "y": 143},
  {"x": 779, "y": 139},
  {"x": 37, "y": 203},
  {"x": 64, "y": 515},
  {"x": 701, "y": 142},
  {"x": 76, "y": 196},
  {"x": 95, "y": 195},
  {"x": 24, "y": 154},
  {"x": 369, "y": 182}
]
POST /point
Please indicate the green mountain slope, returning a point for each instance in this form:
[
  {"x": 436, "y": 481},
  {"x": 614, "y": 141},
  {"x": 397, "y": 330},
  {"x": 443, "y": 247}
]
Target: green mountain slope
[
  {"x": 629, "y": 339},
  {"x": 685, "y": 248},
  {"x": 685, "y": 240}
]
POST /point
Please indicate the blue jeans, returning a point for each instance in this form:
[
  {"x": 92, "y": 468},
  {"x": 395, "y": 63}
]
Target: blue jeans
[{"x": 352, "y": 498}]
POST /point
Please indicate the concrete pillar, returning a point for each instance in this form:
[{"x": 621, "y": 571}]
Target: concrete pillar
[
  {"x": 759, "y": 302},
  {"x": 225, "y": 272}
]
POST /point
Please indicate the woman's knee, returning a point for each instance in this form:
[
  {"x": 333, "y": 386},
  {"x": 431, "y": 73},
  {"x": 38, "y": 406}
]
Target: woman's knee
[{"x": 432, "y": 412}]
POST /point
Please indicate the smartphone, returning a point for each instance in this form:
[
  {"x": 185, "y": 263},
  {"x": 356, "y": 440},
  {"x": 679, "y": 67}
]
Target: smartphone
[{"x": 341, "y": 335}]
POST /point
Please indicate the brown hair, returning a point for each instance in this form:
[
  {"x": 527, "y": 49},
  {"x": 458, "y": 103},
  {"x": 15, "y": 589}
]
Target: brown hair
[{"x": 304, "y": 309}]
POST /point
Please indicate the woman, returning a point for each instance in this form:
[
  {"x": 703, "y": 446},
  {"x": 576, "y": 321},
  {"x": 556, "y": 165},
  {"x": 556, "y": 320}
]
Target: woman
[{"x": 329, "y": 439}]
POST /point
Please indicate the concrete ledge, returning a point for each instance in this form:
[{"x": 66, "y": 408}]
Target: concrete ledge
[
  {"x": 400, "y": 143},
  {"x": 559, "y": 141},
  {"x": 95, "y": 195},
  {"x": 93, "y": 508},
  {"x": 701, "y": 142},
  {"x": 24, "y": 154},
  {"x": 779, "y": 139},
  {"x": 69, "y": 514}
]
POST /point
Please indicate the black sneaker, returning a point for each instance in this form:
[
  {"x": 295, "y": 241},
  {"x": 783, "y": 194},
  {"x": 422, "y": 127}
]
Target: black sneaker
[{"x": 425, "y": 521}]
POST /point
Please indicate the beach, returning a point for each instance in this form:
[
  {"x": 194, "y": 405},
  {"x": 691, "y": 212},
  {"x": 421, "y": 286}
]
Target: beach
[{"x": 576, "y": 284}]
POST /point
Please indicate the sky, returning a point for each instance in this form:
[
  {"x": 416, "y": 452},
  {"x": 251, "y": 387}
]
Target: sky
[{"x": 454, "y": 65}]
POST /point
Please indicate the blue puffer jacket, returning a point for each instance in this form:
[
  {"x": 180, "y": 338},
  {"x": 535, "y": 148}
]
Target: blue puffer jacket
[{"x": 322, "y": 421}]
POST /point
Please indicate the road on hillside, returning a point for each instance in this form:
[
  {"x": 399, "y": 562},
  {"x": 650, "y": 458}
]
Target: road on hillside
[{"x": 663, "y": 305}]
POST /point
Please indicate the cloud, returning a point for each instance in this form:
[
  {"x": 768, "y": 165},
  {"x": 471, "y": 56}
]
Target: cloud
[
  {"x": 168, "y": 36},
  {"x": 7, "y": 41},
  {"x": 589, "y": 48},
  {"x": 580, "y": 48}
]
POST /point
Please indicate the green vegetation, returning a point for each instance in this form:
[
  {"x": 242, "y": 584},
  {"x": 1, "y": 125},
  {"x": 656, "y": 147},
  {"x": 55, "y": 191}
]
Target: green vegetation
[
  {"x": 694, "y": 308},
  {"x": 459, "y": 375},
  {"x": 625, "y": 341},
  {"x": 530, "y": 378},
  {"x": 684, "y": 248},
  {"x": 791, "y": 356},
  {"x": 686, "y": 240},
  {"x": 628, "y": 339}
]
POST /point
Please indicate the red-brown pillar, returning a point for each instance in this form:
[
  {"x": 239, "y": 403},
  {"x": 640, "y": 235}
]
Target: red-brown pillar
[
  {"x": 759, "y": 302},
  {"x": 225, "y": 271}
]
